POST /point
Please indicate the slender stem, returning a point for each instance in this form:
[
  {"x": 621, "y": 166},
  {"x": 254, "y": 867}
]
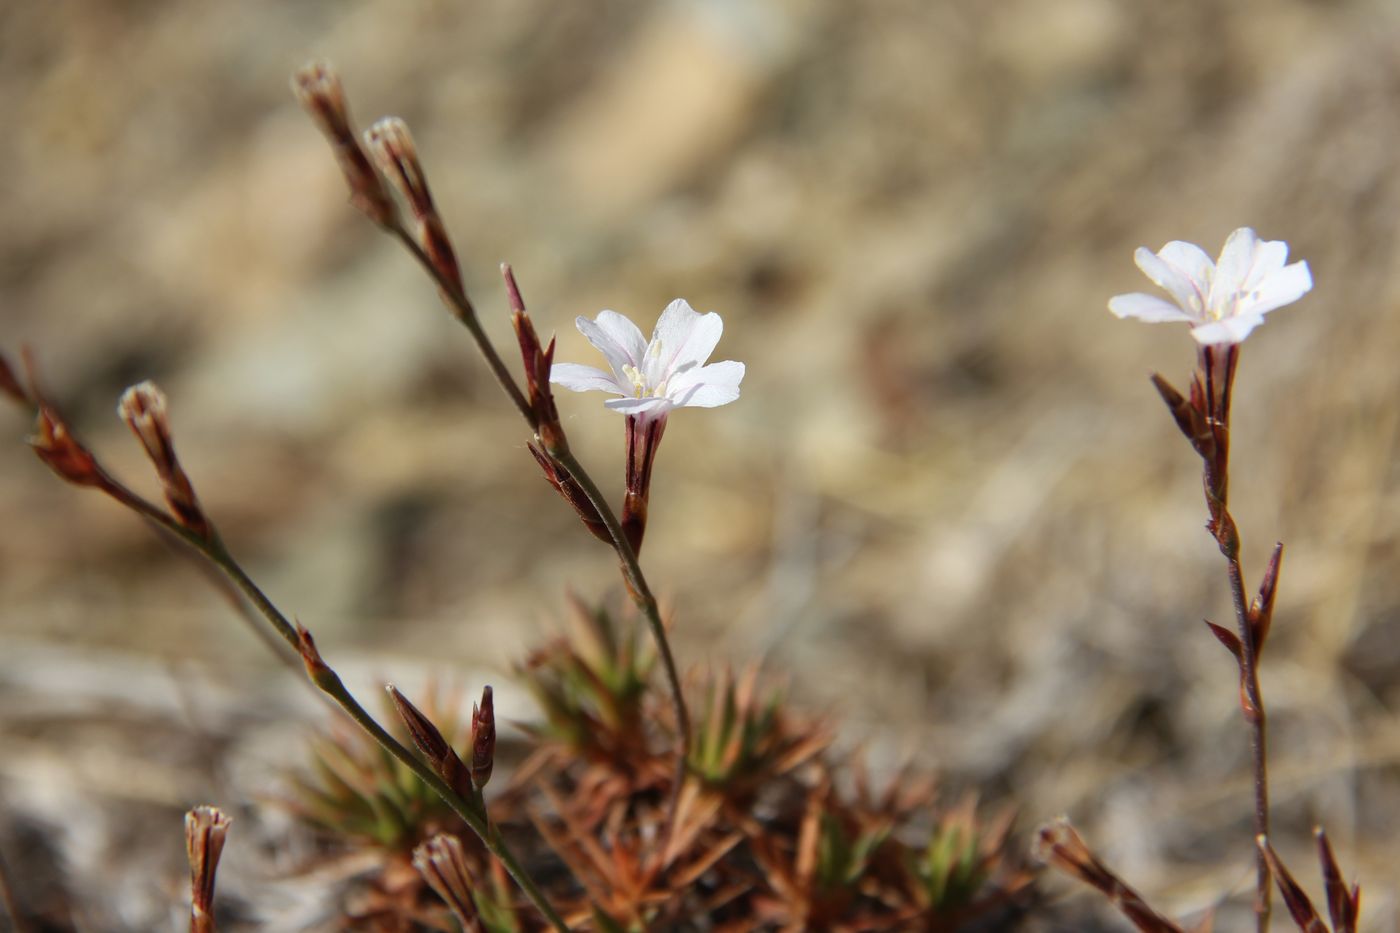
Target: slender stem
[
  {"x": 464, "y": 312},
  {"x": 1219, "y": 366},
  {"x": 473, "y": 812},
  {"x": 1258, "y": 739},
  {"x": 642, "y": 594}
]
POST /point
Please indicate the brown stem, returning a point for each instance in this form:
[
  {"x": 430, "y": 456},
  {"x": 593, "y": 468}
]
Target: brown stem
[
  {"x": 642, "y": 595},
  {"x": 464, "y": 312},
  {"x": 1255, "y": 716},
  {"x": 1218, "y": 365}
]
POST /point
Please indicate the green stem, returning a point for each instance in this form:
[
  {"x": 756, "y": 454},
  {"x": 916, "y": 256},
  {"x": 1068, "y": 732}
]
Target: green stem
[
  {"x": 642, "y": 594},
  {"x": 464, "y": 312},
  {"x": 472, "y": 812}
]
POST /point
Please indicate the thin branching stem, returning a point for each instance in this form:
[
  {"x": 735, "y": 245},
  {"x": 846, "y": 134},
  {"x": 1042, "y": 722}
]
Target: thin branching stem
[
  {"x": 473, "y": 812},
  {"x": 463, "y": 310}
]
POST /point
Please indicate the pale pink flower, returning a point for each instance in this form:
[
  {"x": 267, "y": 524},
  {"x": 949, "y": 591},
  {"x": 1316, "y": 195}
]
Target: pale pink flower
[
  {"x": 1222, "y": 300},
  {"x": 653, "y": 377}
]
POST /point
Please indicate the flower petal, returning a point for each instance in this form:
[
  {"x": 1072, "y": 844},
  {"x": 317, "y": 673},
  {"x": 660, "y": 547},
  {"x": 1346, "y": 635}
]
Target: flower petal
[
  {"x": 640, "y": 406},
  {"x": 582, "y": 378},
  {"x": 1182, "y": 269},
  {"x": 616, "y": 338},
  {"x": 1228, "y": 330},
  {"x": 1236, "y": 260},
  {"x": 686, "y": 338},
  {"x": 1269, "y": 257},
  {"x": 1148, "y": 308},
  {"x": 709, "y": 386},
  {"x": 1283, "y": 287}
]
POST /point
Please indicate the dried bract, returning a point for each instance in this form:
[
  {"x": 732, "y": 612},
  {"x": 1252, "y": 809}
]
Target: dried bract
[
  {"x": 205, "y": 831},
  {"x": 483, "y": 739},
  {"x": 1059, "y": 845},
  {"x": 443, "y": 865},
  {"x": 54, "y": 443}
]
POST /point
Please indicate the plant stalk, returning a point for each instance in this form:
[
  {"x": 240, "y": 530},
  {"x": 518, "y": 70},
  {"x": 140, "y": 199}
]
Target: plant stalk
[{"x": 1257, "y": 720}]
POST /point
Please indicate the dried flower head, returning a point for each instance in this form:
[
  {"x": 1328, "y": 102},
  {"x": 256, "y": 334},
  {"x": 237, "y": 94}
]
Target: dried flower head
[
  {"x": 205, "y": 831},
  {"x": 443, "y": 865},
  {"x": 143, "y": 409},
  {"x": 318, "y": 88},
  {"x": 655, "y": 376},
  {"x": 1222, "y": 300}
]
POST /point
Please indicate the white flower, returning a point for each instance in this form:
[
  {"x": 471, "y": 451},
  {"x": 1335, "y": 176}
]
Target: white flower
[
  {"x": 1224, "y": 300},
  {"x": 654, "y": 377}
]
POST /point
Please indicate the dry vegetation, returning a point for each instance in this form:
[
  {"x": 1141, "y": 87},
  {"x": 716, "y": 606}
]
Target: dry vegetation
[{"x": 948, "y": 507}]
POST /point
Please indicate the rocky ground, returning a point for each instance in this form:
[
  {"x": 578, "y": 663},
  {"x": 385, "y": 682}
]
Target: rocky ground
[{"x": 948, "y": 507}]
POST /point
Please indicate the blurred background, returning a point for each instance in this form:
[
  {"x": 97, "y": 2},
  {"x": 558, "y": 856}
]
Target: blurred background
[{"x": 949, "y": 508}]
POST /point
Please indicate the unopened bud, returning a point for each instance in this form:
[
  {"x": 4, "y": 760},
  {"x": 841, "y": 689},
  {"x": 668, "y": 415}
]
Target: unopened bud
[
  {"x": 429, "y": 740},
  {"x": 537, "y": 362},
  {"x": 483, "y": 739},
  {"x": 205, "y": 831},
  {"x": 572, "y": 493},
  {"x": 143, "y": 409},
  {"x": 392, "y": 147},
  {"x": 318, "y": 88},
  {"x": 316, "y": 668}
]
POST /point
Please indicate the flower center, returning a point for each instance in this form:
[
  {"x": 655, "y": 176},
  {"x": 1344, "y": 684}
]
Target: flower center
[{"x": 642, "y": 376}]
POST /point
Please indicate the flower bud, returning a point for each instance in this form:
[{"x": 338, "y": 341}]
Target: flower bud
[
  {"x": 573, "y": 493},
  {"x": 538, "y": 361},
  {"x": 392, "y": 147},
  {"x": 143, "y": 409},
  {"x": 483, "y": 739},
  {"x": 429, "y": 740},
  {"x": 318, "y": 88}
]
